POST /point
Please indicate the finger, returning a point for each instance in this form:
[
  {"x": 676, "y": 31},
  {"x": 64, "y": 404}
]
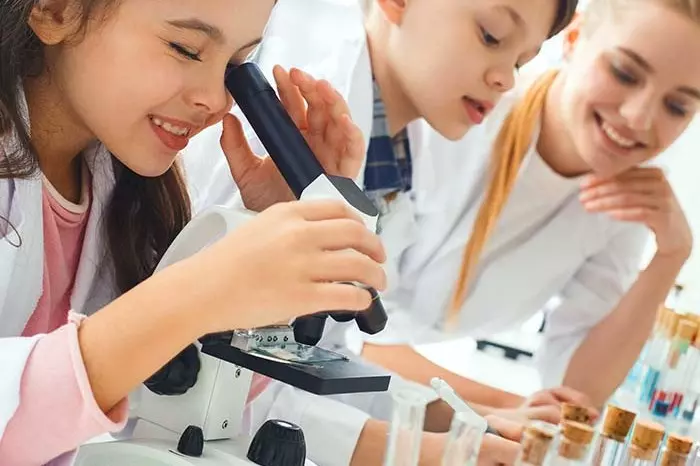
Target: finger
[
  {"x": 635, "y": 215},
  {"x": 341, "y": 234},
  {"x": 240, "y": 157},
  {"x": 570, "y": 395},
  {"x": 337, "y": 108},
  {"x": 318, "y": 210},
  {"x": 616, "y": 187},
  {"x": 507, "y": 428},
  {"x": 291, "y": 97},
  {"x": 355, "y": 151},
  {"x": 542, "y": 398},
  {"x": 498, "y": 451},
  {"x": 623, "y": 201},
  {"x": 340, "y": 297},
  {"x": 317, "y": 116},
  {"x": 549, "y": 413},
  {"x": 349, "y": 266}
]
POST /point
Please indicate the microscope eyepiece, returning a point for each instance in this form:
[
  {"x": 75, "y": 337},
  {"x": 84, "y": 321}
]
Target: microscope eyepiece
[{"x": 299, "y": 167}]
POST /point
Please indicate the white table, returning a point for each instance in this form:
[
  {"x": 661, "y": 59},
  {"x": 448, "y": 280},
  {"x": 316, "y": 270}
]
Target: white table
[{"x": 489, "y": 368}]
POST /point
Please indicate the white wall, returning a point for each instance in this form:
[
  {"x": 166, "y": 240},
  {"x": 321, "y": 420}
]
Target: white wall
[{"x": 683, "y": 161}]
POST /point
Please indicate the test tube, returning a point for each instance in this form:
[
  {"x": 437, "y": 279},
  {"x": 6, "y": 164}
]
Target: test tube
[
  {"x": 406, "y": 428},
  {"x": 574, "y": 444},
  {"x": 653, "y": 362},
  {"x": 691, "y": 382},
  {"x": 644, "y": 447},
  {"x": 463, "y": 441},
  {"x": 676, "y": 451},
  {"x": 668, "y": 396},
  {"x": 633, "y": 376},
  {"x": 535, "y": 443},
  {"x": 610, "y": 446},
  {"x": 575, "y": 413}
]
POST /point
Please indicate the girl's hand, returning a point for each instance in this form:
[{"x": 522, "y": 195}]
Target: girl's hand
[
  {"x": 642, "y": 195},
  {"x": 287, "y": 262},
  {"x": 326, "y": 125}
]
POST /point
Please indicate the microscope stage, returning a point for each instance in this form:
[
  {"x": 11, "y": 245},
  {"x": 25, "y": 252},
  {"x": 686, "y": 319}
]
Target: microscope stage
[{"x": 325, "y": 378}]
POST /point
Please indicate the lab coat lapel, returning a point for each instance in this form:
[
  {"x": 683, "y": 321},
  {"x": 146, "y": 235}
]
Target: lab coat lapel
[
  {"x": 94, "y": 281},
  {"x": 22, "y": 266}
]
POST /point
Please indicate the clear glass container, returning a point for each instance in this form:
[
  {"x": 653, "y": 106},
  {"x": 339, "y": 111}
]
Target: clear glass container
[
  {"x": 536, "y": 444},
  {"x": 644, "y": 447},
  {"x": 406, "y": 428},
  {"x": 574, "y": 445},
  {"x": 463, "y": 441}
]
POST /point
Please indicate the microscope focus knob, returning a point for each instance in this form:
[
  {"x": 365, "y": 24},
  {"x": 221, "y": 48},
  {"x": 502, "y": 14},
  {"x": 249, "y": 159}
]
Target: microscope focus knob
[
  {"x": 191, "y": 442},
  {"x": 278, "y": 443}
]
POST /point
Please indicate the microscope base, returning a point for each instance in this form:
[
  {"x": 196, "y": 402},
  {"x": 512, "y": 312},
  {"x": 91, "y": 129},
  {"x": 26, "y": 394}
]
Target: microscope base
[{"x": 161, "y": 453}]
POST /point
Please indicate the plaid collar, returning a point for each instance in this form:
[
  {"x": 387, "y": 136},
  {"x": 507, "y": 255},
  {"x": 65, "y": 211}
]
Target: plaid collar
[{"x": 388, "y": 168}]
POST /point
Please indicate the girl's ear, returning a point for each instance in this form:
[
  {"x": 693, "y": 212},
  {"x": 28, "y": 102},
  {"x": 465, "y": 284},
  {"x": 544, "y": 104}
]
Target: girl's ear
[
  {"x": 572, "y": 34},
  {"x": 54, "y": 21},
  {"x": 393, "y": 10}
]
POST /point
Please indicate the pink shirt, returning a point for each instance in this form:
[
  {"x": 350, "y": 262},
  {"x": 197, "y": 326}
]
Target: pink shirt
[{"x": 57, "y": 411}]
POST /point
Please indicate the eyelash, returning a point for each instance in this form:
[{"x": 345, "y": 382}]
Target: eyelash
[
  {"x": 676, "y": 110},
  {"x": 623, "y": 77},
  {"x": 628, "y": 79},
  {"x": 488, "y": 38},
  {"x": 184, "y": 51}
]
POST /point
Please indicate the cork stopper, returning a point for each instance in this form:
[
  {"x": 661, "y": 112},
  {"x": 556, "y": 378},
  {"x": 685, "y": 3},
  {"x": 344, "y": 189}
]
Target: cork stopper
[
  {"x": 647, "y": 435},
  {"x": 575, "y": 413},
  {"x": 679, "y": 444},
  {"x": 535, "y": 445},
  {"x": 677, "y": 450},
  {"x": 618, "y": 423},
  {"x": 687, "y": 330},
  {"x": 577, "y": 432}
]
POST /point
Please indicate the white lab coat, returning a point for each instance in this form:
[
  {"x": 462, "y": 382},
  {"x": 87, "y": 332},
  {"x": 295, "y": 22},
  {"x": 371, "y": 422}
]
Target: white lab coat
[{"x": 21, "y": 269}]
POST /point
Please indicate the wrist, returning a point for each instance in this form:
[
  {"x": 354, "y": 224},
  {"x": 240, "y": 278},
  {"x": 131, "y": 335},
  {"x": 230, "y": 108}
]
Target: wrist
[{"x": 672, "y": 261}]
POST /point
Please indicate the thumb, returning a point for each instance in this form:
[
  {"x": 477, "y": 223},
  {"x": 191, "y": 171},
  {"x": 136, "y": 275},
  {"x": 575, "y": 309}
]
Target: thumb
[
  {"x": 550, "y": 413},
  {"x": 241, "y": 159}
]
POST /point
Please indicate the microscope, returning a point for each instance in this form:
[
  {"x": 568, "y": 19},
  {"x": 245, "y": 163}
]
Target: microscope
[{"x": 203, "y": 425}]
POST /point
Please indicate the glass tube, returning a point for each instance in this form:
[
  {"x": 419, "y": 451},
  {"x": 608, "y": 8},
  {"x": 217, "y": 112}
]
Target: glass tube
[
  {"x": 536, "y": 444},
  {"x": 406, "y": 429},
  {"x": 676, "y": 451},
  {"x": 574, "y": 444},
  {"x": 607, "y": 452},
  {"x": 644, "y": 448},
  {"x": 611, "y": 442},
  {"x": 463, "y": 441}
]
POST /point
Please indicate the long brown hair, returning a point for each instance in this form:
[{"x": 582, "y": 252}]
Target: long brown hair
[
  {"x": 509, "y": 151},
  {"x": 144, "y": 215}
]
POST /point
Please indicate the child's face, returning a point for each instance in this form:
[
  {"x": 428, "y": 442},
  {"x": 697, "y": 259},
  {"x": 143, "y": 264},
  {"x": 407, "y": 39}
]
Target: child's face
[
  {"x": 632, "y": 86},
  {"x": 455, "y": 58},
  {"x": 151, "y": 75}
]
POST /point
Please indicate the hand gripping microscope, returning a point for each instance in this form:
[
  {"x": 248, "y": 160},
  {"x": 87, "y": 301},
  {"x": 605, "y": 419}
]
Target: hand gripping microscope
[{"x": 202, "y": 425}]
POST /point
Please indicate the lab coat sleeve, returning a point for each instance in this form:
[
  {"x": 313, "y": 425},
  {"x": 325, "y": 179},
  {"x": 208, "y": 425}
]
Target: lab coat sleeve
[{"x": 591, "y": 294}]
